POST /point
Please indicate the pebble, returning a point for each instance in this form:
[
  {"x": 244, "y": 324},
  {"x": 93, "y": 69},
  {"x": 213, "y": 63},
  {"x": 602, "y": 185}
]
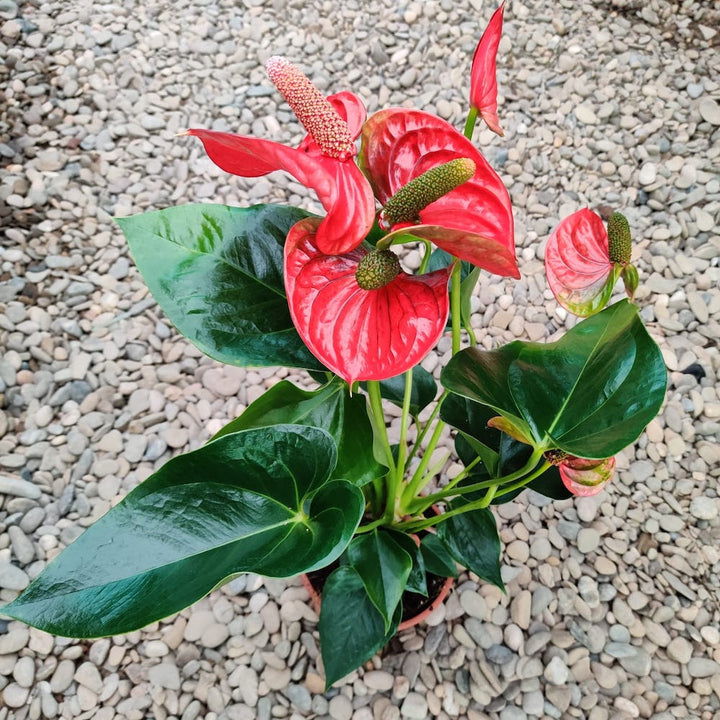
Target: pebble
[
  {"x": 710, "y": 111},
  {"x": 556, "y": 671},
  {"x": 700, "y": 667},
  {"x": 679, "y": 649},
  {"x": 588, "y": 540}
]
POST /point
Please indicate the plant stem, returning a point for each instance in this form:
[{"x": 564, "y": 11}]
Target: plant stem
[
  {"x": 416, "y": 483},
  {"x": 493, "y": 491},
  {"x": 426, "y": 257},
  {"x": 370, "y": 526},
  {"x": 455, "y": 302},
  {"x": 426, "y": 426},
  {"x": 397, "y": 478},
  {"x": 373, "y": 387},
  {"x": 470, "y": 123}
]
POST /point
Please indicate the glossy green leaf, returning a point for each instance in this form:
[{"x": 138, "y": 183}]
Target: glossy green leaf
[
  {"x": 467, "y": 286},
  {"x": 256, "y": 501},
  {"x": 471, "y": 419},
  {"x": 217, "y": 272},
  {"x": 437, "y": 557},
  {"x": 473, "y": 541},
  {"x": 384, "y": 567},
  {"x": 416, "y": 581},
  {"x": 351, "y": 628},
  {"x": 590, "y": 394},
  {"x": 331, "y": 408}
]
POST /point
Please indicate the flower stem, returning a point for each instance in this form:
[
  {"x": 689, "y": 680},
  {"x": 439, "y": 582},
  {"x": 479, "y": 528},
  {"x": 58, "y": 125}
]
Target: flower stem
[
  {"x": 373, "y": 387},
  {"x": 493, "y": 488},
  {"x": 470, "y": 123},
  {"x": 426, "y": 426},
  {"x": 416, "y": 483},
  {"x": 455, "y": 301},
  {"x": 426, "y": 257},
  {"x": 396, "y": 480}
]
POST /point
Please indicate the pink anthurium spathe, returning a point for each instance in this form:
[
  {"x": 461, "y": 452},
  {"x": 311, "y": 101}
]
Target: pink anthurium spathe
[
  {"x": 583, "y": 261},
  {"x": 474, "y": 221},
  {"x": 360, "y": 334},
  {"x": 324, "y": 161},
  {"x": 583, "y": 477},
  {"x": 483, "y": 78}
]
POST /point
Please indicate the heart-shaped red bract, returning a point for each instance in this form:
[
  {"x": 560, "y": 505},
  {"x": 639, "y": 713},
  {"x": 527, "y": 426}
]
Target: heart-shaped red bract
[
  {"x": 577, "y": 263},
  {"x": 341, "y": 187},
  {"x": 483, "y": 76},
  {"x": 474, "y": 222},
  {"x": 586, "y": 477},
  {"x": 360, "y": 334}
]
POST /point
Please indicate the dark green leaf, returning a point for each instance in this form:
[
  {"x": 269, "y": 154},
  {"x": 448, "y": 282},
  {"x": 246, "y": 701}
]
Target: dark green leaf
[
  {"x": 256, "y": 501},
  {"x": 424, "y": 389},
  {"x": 331, "y": 408},
  {"x": 550, "y": 485},
  {"x": 471, "y": 418},
  {"x": 217, "y": 272},
  {"x": 590, "y": 394},
  {"x": 416, "y": 581},
  {"x": 473, "y": 541},
  {"x": 436, "y": 554},
  {"x": 383, "y": 566},
  {"x": 351, "y": 628},
  {"x": 466, "y": 290}
]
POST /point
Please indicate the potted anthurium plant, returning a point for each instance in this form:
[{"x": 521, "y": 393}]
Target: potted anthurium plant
[{"x": 308, "y": 481}]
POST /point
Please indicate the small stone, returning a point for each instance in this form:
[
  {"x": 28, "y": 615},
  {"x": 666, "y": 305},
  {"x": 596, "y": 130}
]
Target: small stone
[
  {"x": 680, "y": 650},
  {"x": 24, "y": 672},
  {"x": 586, "y": 115},
  {"x": 700, "y": 667},
  {"x": 588, "y": 540},
  {"x": 473, "y": 604},
  {"x": 340, "y": 708},
  {"x": 18, "y": 488},
  {"x": 520, "y": 609},
  {"x": 214, "y": 635},
  {"x": 62, "y": 677},
  {"x": 299, "y": 697},
  {"x": 15, "y": 696},
  {"x": 647, "y": 174},
  {"x": 89, "y": 676},
  {"x": 13, "y": 578},
  {"x": 276, "y": 678},
  {"x": 378, "y": 680},
  {"x": 414, "y": 706},
  {"x": 556, "y": 671},
  {"x": 709, "y": 111},
  {"x": 540, "y": 548},
  {"x": 165, "y": 675},
  {"x": 638, "y": 664},
  {"x": 499, "y": 654},
  {"x": 703, "y": 508}
]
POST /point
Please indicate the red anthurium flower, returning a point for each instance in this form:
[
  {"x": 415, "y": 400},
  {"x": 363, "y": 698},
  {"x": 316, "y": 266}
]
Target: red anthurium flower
[
  {"x": 474, "y": 221},
  {"x": 583, "y": 261},
  {"x": 360, "y": 333},
  {"x": 483, "y": 79},
  {"x": 584, "y": 477},
  {"x": 324, "y": 161}
]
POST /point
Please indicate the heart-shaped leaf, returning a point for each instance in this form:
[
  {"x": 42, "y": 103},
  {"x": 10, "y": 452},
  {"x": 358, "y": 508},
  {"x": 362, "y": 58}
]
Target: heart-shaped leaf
[
  {"x": 384, "y": 568},
  {"x": 437, "y": 557},
  {"x": 256, "y": 501},
  {"x": 331, "y": 408},
  {"x": 590, "y": 394},
  {"x": 473, "y": 541},
  {"x": 351, "y": 628},
  {"x": 416, "y": 582},
  {"x": 217, "y": 272}
]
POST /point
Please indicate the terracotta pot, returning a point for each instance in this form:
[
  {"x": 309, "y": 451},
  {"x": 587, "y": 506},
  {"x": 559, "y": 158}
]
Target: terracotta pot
[{"x": 442, "y": 593}]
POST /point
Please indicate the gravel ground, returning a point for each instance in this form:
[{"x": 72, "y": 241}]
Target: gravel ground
[{"x": 613, "y": 608}]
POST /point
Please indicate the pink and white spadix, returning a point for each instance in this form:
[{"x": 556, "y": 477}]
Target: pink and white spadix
[
  {"x": 474, "y": 221},
  {"x": 324, "y": 161},
  {"x": 360, "y": 334},
  {"x": 483, "y": 77}
]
